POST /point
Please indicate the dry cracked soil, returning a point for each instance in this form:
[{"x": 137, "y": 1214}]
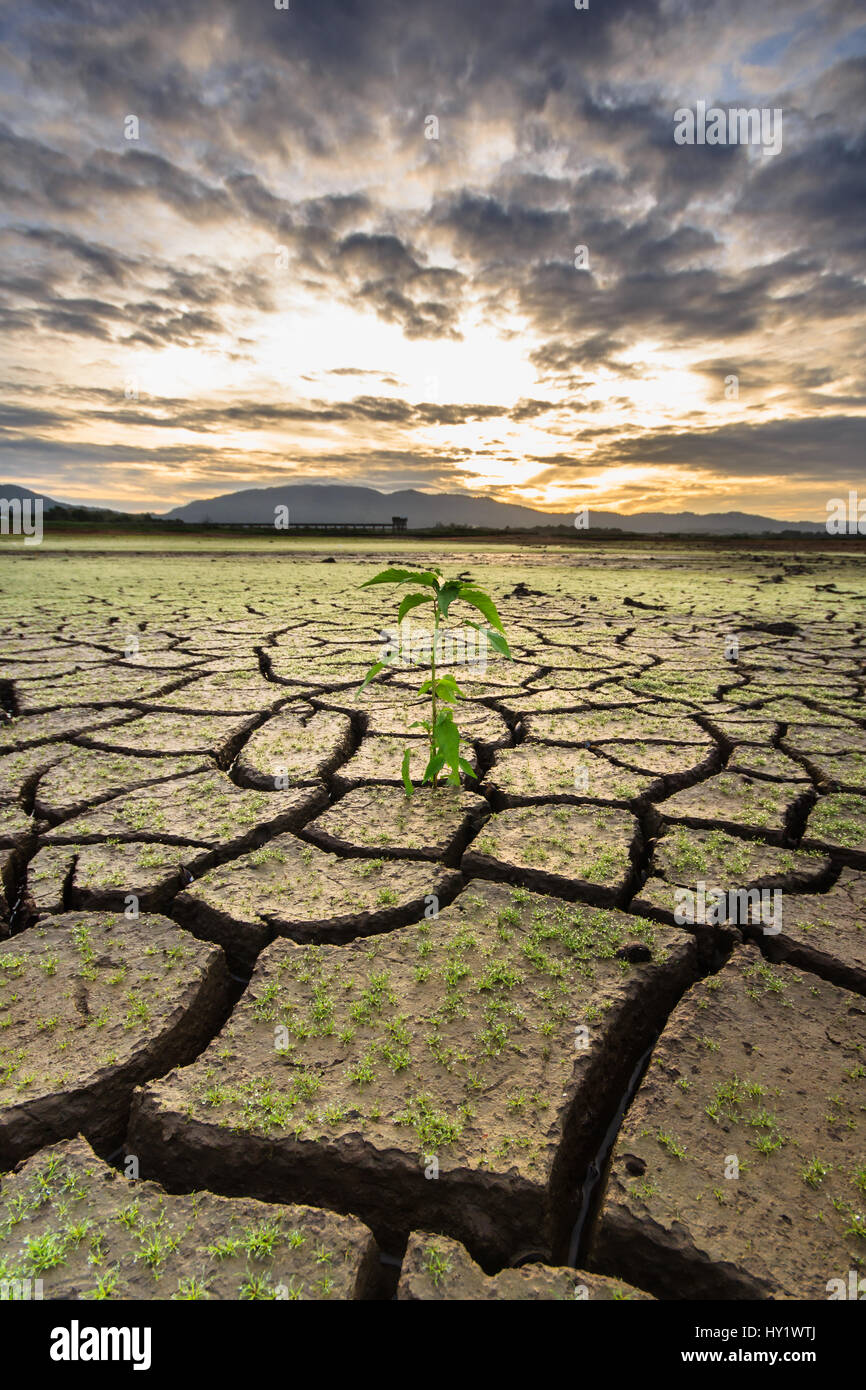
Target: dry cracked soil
[{"x": 590, "y": 1026}]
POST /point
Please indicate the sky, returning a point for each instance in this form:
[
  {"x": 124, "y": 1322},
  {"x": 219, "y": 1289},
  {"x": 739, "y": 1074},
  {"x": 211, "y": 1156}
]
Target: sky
[{"x": 339, "y": 242}]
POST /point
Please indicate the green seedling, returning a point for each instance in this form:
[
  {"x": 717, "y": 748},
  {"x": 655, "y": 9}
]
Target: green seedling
[{"x": 441, "y": 728}]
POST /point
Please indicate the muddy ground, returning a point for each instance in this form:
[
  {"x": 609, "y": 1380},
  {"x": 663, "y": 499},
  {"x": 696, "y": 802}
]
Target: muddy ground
[{"x": 590, "y": 1026}]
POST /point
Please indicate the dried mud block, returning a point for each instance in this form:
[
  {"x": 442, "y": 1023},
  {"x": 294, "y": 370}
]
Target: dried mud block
[
  {"x": 643, "y": 724},
  {"x": 834, "y": 723},
  {"x": 165, "y": 659},
  {"x": 489, "y": 1046},
  {"x": 91, "y": 1005},
  {"x": 227, "y": 692},
  {"x": 590, "y": 663},
  {"x": 317, "y": 673},
  {"x": 71, "y": 1221},
  {"x": 686, "y": 858},
  {"x": 577, "y": 851},
  {"x": 735, "y": 730},
  {"x": 98, "y": 685},
  {"x": 21, "y": 770},
  {"x": 44, "y": 669},
  {"x": 818, "y": 741},
  {"x": 766, "y": 762},
  {"x": 543, "y": 700},
  {"x": 760, "y": 1071},
  {"x": 35, "y": 729},
  {"x": 739, "y": 803},
  {"x": 845, "y": 773},
  {"x": 674, "y": 762},
  {"x": 47, "y": 876},
  {"x": 205, "y": 810},
  {"x": 615, "y": 692},
  {"x": 103, "y": 876},
  {"x": 838, "y": 821},
  {"x": 434, "y": 823},
  {"x": 288, "y": 888},
  {"x": 826, "y": 932},
  {"x": 86, "y": 777},
  {"x": 481, "y": 670},
  {"x": 534, "y": 773},
  {"x": 683, "y": 855},
  {"x": 291, "y": 752},
  {"x": 219, "y": 735},
  {"x": 437, "y": 1269},
  {"x": 16, "y": 825},
  {"x": 30, "y": 649},
  {"x": 511, "y": 685}
]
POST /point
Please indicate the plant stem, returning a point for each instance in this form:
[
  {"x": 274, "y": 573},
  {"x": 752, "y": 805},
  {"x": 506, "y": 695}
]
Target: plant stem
[{"x": 433, "y": 688}]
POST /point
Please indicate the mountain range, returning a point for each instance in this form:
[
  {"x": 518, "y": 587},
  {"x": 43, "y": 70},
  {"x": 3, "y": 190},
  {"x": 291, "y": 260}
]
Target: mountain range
[
  {"x": 339, "y": 503},
  {"x": 425, "y": 509}
]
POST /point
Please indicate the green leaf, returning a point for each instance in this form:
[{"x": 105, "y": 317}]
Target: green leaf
[
  {"x": 420, "y": 724},
  {"x": 434, "y": 767},
  {"x": 395, "y": 576},
  {"x": 404, "y": 772},
  {"x": 446, "y": 689},
  {"x": 447, "y": 737},
  {"x": 467, "y": 768},
  {"x": 373, "y": 671},
  {"x": 496, "y": 640},
  {"x": 411, "y": 601},
  {"x": 478, "y": 599},
  {"x": 449, "y": 689},
  {"x": 392, "y": 576},
  {"x": 447, "y": 594}
]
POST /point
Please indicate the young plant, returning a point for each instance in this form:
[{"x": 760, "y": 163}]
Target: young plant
[{"x": 429, "y": 588}]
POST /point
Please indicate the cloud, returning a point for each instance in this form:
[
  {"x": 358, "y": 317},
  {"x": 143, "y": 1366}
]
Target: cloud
[
  {"x": 822, "y": 449},
  {"x": 302, "y": 133}
]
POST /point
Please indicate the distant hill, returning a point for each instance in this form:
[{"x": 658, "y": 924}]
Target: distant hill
[
  {"x": 12, "y": 492},
  {"x": 424, "y": 509}
]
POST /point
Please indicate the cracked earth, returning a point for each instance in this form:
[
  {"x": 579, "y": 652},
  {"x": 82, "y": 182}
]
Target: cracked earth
[{"x": 269, "y": 1029}]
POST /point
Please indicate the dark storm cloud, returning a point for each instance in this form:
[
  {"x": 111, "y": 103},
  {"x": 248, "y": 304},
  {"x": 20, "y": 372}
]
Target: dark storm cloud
[
  {"x": 823, "y": 186},
  {"x": 36, "y": 174},
  {"x": 133, "y": 172},
  {"x": 821, "y": 449},
  {"x": 101, "y": 261},
  {"x": 179, "y": 305},
  {"x": 488, "y": 230},
  {"x": 668, "y": 302},
  {"x": 385, "y": 273}
]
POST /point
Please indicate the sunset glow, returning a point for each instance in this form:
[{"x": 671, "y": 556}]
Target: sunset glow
[{"x": 284, "y": 278}]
